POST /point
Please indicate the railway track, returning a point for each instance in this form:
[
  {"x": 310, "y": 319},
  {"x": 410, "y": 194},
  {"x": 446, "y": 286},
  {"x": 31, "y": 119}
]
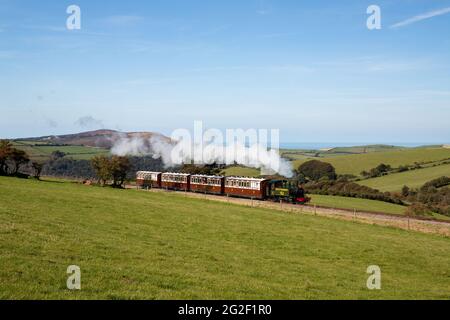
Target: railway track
[{"x": 397, "y": 221}]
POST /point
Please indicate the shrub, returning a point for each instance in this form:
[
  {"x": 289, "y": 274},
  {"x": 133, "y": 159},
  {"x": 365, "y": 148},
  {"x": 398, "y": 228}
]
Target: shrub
[
  {"x": 418, "y": 210},
  {"x": 316, "y": 170}
]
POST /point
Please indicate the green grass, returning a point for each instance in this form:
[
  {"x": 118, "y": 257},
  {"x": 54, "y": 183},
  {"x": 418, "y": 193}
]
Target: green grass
[
  {"x": 367, "y": 149},
  {"x": 241, "y": 171},
  {"x": 139, "y": 245},
  {"x": 43, "y": 152},
  {"x": 355, "y": 164},
  {"x": 412, "y": 179},
  {"x": 302, "y": 155},
  {"x": 358, "y": 204},
  {"x": 336, "y": 202}
]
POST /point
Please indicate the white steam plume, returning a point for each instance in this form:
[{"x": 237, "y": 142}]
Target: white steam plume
[{"x": 177, "y": 153}]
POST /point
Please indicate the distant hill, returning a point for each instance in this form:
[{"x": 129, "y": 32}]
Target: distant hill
[
  {"x": 364, "y": 149},
  {"x": 99, "y": 138}
]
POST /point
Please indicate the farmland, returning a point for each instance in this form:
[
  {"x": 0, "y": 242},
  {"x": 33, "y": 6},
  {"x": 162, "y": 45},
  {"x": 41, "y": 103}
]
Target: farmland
[
  {"x": 356, "y": 163},
  {"x": 412, "y": 179},
  {"x": 42, "y": 151},
  {"x": 139, "y": 245},
  {"x": 354, "y": 160},
  {"x": 299, "y": 154}
]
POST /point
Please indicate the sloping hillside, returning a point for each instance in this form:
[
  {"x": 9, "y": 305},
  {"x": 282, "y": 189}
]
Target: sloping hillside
[
  {"x": 140, "y": 245},
  {"x": 412, "y": 179},
  {"x": 99, "y": 138},
  {"x": 355, "y": 164}
]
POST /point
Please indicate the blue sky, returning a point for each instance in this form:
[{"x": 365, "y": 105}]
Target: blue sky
[{"x": 309, "y": 68}]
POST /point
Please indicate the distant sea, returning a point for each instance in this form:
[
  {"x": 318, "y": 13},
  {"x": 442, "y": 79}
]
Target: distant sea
[{"x": 326, "y": 145}]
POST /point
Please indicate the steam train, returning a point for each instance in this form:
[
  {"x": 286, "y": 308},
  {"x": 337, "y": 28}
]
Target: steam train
[{"x": 242, "y": 187}]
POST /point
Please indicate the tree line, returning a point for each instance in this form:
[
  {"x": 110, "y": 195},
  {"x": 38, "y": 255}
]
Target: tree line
[
  {"x": 12, "y": 160},
  {"x": 114, "y": 170}
]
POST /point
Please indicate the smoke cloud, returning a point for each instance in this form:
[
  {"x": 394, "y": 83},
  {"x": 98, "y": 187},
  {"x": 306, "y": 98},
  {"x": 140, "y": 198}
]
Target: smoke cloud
[{"x": 184, "y": 151}]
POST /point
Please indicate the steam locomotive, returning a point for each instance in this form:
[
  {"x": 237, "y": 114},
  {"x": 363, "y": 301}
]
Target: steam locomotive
[{"x": 243, "y": 187}]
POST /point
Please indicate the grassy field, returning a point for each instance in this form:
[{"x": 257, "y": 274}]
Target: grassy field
[
  {"x": 298, "y": 154},
  {"x": 362, "y": 205},
  {"x": 355, "y": 164},
  {"x": 412, "y": 179},
  {"x": 42, "y": 152},
  {"x": 358, "y": 204},
  {"x": 139, "y": 245},
  {"x": 239, "y": 171}
]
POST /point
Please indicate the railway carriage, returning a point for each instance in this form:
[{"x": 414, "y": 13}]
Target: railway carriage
[
  {"x": 207, "y": 184},
  {"x": 148, "y": 179},
  {"x": 175, "y": 181},
  {"x": 246, "y": 187}
]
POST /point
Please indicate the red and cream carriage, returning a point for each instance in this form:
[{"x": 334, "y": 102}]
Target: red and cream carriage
[
  {"x": 207, "y": 184},
  {"x": 148, "y": 179},
  {"x": 246, "y": 187},
  {"x": 175, "y": 181}
]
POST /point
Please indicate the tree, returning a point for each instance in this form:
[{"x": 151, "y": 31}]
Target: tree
[
  {"x": 208, "y": 169},
  {"x": 118, "y": 167},
  {"x": 316, "y": 170},
  {"x": 405, "y": 191},
  {"x": 365, "y": 174},
  {"x": 418, "y": 209},
  {"x": 5, "y": 152},
  {"x": 18, "y": 158},
  {"x": 380, "y": 170},
  {"x": 100, "y": 164},
  {"x": 37, "y": 167},
  {"x": 57, "y": 155},
  {"x": 114, "y": 168}
]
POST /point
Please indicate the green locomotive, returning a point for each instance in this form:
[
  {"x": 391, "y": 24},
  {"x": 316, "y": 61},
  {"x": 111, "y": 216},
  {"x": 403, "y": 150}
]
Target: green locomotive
[{"x": 286, "y": 191}]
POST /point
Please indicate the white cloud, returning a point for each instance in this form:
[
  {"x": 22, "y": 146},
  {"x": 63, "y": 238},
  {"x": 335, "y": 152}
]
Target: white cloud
[{"x": 421, "y": 17}]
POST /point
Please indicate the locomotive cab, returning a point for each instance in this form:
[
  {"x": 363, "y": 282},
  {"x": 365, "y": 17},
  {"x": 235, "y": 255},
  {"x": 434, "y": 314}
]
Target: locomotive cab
[{"x": 285, "y": 190}]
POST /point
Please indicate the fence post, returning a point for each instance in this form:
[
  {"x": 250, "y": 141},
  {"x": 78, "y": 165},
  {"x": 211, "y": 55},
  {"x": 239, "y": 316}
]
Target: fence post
[
  {"x": 281, "y": 204},
  {"x": 354, "y": 214},
  {"x": 408, "y": 224},
  {"x": 315, "y": 210}
]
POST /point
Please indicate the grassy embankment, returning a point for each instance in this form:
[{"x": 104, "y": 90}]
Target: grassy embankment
[{"x": 140, "y": 245}]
